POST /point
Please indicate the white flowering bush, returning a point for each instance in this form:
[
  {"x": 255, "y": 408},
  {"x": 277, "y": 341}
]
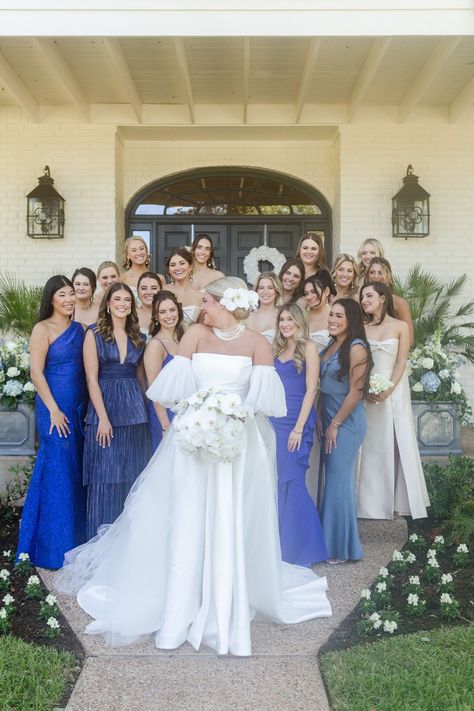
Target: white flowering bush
[
  {"x": 416, "y": 542},
  {"x": 211, "y": 424},
  {"x": 48, "y": 607},
  {"x": 5, "y": 624},
  {"x": 23, "y": 564},
  {"x": 461, "y": 556},
  {"x": 416, "y": 606},
  {"x": 4, "y": 579},
  {"x": 449, "y": 606},
  {"x": 53, "y": 627},
  {"x": 15, "y": 383},
  {"x": 33, "y": 588},
  {"x": 433, "y": 374}
]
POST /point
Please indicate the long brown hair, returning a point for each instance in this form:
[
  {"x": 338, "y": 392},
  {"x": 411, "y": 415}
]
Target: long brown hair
[
  {"x": 294, "y": 262},
  {"x": 158, "y": 299},
  {"x": 355, "y": 330},
  {"x": 385, "y": 264},
  {"x": 202, "y": 235},
  {"x": 301, "y": 337},
  {"x": 105, "y": 325},
  {"x": 321, "y": 263},
  {"x": 387, "y": 307}
]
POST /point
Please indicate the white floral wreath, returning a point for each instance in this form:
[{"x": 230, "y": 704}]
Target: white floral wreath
[{"x": 262, "y": 254}]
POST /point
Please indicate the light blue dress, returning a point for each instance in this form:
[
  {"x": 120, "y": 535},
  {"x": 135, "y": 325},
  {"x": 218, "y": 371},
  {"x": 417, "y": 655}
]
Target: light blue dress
[
  {"x": 54, "y": 514},
  {"x": 338, "y": 512}
]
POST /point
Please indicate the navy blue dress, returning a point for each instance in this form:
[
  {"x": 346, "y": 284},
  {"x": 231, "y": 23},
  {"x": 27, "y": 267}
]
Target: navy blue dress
[
  {"x": 301, "y": 535},
  {"x": 109, "y": 472},
  {"x": 54, "y": 514},
  {"x": 156, "y": 431},
  {"x": 338, "y": 511}
]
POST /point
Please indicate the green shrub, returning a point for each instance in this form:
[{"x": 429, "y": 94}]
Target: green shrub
[
  {"x": 19, "y": 305},
  {"x": 451, "y": 488}
]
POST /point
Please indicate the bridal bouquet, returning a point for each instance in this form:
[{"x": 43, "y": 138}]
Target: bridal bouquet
[
  {"x": 211, "y": 424},
  {"x": 379, "y": 384}
]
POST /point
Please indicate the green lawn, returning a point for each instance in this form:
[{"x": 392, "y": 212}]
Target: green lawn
[
  {"x": 32, "y": 677},
  {"x": 427, "y": 671}
]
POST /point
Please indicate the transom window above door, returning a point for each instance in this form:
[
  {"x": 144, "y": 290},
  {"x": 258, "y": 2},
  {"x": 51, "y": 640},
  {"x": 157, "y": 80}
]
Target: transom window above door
[{"x": 234, "y": 194}]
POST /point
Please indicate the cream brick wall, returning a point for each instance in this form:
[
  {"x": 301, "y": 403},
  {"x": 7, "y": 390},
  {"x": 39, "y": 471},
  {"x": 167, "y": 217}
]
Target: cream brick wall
[{"x": 81, "y": 159}]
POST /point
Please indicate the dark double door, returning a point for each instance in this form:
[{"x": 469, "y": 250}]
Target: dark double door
[{"x": 232, "y": 240}]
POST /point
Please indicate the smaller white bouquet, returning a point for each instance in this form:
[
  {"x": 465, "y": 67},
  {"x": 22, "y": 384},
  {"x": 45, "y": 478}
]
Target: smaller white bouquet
[
  {"x": 211, "y": 424},
  {"x": 379, "y": 384}
]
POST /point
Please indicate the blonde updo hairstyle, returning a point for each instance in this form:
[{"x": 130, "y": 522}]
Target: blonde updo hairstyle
[
  {"x": 216, "y": 290},
  {"x": 301, "y": 337},
  {"x": 277, "y": 285}
]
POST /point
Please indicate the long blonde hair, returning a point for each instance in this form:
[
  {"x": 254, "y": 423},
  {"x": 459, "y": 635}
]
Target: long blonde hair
[
  {"x": 347, "y": 258},
  {"x": 301, "y": 336},
  {"x": 379, "y": 252},
  {"x": 126, "y": 261},
  {"x": 277, "y": 285}
]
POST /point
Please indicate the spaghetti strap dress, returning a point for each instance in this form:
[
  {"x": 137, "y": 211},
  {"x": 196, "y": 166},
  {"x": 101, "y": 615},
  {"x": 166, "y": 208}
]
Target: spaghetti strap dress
[
  {"x": 109, "y": 472},
  {"x": 338, "y": 512},
  {"x": 156, "y": 432},
  {"x": 54, "y": 514},
  {"x": 301, "y": 535}
]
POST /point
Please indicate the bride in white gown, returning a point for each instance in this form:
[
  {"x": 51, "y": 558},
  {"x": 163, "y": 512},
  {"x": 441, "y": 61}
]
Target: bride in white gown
[{"x": 195, "y": 553}]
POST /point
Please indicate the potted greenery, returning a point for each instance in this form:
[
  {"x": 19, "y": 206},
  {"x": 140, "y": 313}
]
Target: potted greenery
[
  {"x": 17, "y": 393},
  {"x": 438, "y": 398}
]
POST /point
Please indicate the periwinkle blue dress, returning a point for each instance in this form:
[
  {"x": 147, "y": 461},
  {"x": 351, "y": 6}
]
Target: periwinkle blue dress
[
  {"x": 54, "y": 514},
  {"x": 301, "y": 535},
  {"x": 156, "y": 431},
  {"x": 338, "y": 511},
  {"x": 109, "y": 472}
]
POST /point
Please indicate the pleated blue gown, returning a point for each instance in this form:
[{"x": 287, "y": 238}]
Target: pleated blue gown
[
  {"x": 338, "y": 511},
  {"x": 109, "y": 472},
  {"x": 301, "y": 535},
  {"x": 54, "y": 514}
]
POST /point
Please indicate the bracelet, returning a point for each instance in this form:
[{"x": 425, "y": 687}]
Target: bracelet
[
  {"x": 297, "y": 433},
  {"x": 337, "y": 423}
]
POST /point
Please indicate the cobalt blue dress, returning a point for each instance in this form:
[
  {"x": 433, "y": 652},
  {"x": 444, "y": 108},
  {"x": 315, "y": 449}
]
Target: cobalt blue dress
[
  {"x": 156, "y": 431},
  {"x": 338, "y": 511},
  {"x": 109, "y": 472},
  {"x": 301, "y": 535},
  {"x": 54, "y": 514}
]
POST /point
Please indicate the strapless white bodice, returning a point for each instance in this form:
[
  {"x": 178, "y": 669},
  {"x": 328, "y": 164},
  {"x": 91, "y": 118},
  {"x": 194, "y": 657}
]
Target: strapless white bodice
[
  {"x": 230, "y": 374},
  {"x": 384, "y": 354}
]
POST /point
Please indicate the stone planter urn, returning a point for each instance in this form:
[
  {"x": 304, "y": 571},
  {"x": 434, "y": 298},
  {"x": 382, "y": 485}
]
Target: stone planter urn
[
  {"x": 438, "y": 428},
  {"x": 17, "y": 430}
]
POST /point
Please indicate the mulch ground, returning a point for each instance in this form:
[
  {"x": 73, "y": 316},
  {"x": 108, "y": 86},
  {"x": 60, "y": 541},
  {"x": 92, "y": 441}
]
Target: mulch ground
[
  {"x": 346, "y": 634},
  {"x": 25, "y": 622}
]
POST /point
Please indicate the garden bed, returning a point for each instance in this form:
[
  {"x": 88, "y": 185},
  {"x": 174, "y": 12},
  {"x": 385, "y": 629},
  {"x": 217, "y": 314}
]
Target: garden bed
[{"x": 25, "y": 622}]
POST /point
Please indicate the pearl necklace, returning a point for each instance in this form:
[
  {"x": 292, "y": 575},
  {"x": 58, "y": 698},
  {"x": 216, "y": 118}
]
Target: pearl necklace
[{"x": 228, "y": 334}]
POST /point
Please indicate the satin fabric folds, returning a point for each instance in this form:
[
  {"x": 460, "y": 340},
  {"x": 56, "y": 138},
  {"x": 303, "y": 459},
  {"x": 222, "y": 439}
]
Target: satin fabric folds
[{"x": 196, "y": 552}]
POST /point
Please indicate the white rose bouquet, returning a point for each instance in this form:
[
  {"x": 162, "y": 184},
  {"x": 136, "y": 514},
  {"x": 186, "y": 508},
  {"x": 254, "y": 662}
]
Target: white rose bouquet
[
  {"x": 379, "y": 384},
  {"x": 210, "y": 424},
  {"x": 15, "y": 384}
]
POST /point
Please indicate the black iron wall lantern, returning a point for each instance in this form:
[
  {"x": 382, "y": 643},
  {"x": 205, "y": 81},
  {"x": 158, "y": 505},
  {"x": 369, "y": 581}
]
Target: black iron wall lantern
[
  {"x": 45, "y": 210},
  {"x": 411, "y": 209}
]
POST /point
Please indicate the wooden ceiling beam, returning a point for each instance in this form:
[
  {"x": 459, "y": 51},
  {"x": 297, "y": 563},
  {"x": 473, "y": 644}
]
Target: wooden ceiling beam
[
  {"x": 185, "y": 75},
  {"x": 58, "y": 66},
  {"x": 307, "y": 75},
  {"x": 18, "y": 90},
  {"x": 369, "y": 69},
  {"x": 438, "y": 58},
  {"x": 124, "y": 76}
]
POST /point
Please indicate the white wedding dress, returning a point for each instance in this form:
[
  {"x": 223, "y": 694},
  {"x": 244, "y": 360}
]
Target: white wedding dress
[{"x": 196, "y": 550}]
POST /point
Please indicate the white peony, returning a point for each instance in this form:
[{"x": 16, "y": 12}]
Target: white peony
[
  {"x": 417, "y": 388},
  {"x": 12, "y": 372},
  {"x": 29, "y": 387},
  {"x": 427, "y": 363}
]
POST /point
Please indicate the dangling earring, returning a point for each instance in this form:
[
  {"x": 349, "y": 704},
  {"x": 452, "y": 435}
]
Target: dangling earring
[
  {"x": 108, "y": 310},
  {"x": 147, "y": 262}
]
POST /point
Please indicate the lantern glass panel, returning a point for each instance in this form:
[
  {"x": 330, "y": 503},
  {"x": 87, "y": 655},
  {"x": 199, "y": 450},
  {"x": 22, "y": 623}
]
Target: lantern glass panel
[{"x": 45, "y": 217}]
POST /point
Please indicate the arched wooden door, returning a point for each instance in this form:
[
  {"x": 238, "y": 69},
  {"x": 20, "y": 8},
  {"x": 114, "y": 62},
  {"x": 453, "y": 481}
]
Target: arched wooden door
[{"x": 239, "y": 208}]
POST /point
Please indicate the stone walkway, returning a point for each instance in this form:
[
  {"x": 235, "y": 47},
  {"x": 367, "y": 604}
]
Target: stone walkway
[{"x": 282, "y": 672}]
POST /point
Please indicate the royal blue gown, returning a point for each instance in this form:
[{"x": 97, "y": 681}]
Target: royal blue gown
[
  {"x": 338, "y": 511},
  {"x": 156, "y": 431},
  {"x": 109, "y": 472},
  {"x": 301, "y": 535},
  {"x": 54, "y": 514}
]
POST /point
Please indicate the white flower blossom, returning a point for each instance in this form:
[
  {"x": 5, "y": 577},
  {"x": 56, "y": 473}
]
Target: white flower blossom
[
  {"x": 413, "y": 599},
  {"x": 417, "y": 387},
  {"x": 13, "y": 372},
  {"x": 446, "y": 599},
  {"x": 24, "y": 557},
  {"x": 414, "y": 580},
  {"x": 374, "y": 617},
  {"x": 12, "y": 388},
  {"x": 365, "y": 594},
  {"x": 8, "y": 599},
  {"x": 431, "y": 553},
  {"x": 381, "y": 587},
  {"x": 462, "y": 548},
  {"x": 397, "y": 556},
  {"x": 446, "y": 578},
  {"x": 10, "y": 346},
  {"x": 410, "y": 557},
  {"x": 4, "y": 574},
  {"x": 439, "y": 539},
  {"x": 427, "y": 363},
  {"x": 53, "y": 623},
  {"x": 33, "y": 580},
  {"x": 383, "y": 572},
  {"x": 50, "y": 600},
  {"x": 377, "y": 624},
  {"x": 433, "y": 563},
  {"x": 29, "y": 387},
  {"x": 390, "y": 626},
  {"x": 414, "y": 537},
  {"x": 456, "y": 388},
  {"x": 444, "y": 374},
  {"x": 7, "y": 554},
  {"x": 3, "y": 613}
]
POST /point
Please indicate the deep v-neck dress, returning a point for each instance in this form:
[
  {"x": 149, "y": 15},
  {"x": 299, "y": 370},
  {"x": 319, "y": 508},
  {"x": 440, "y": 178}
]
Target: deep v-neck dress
[
  {"x": 109, "y": 472},
  {"x": 54, "y": 513}
]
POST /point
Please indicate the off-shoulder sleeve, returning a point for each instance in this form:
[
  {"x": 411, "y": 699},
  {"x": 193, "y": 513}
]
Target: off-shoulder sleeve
[
  {"x": 266, "y": 393},
  {"x": 173, "y": 383}
]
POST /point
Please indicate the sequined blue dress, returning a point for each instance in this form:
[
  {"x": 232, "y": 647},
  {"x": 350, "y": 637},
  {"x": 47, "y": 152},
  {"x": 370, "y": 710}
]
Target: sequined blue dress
[
  {"x": 109, "y": 472},
  {"x": 156, "y": 431},
  {"x": 338, "y": 511},
  {"x": 301, "y": 535},
  {"x": 54, "y": 514}
]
